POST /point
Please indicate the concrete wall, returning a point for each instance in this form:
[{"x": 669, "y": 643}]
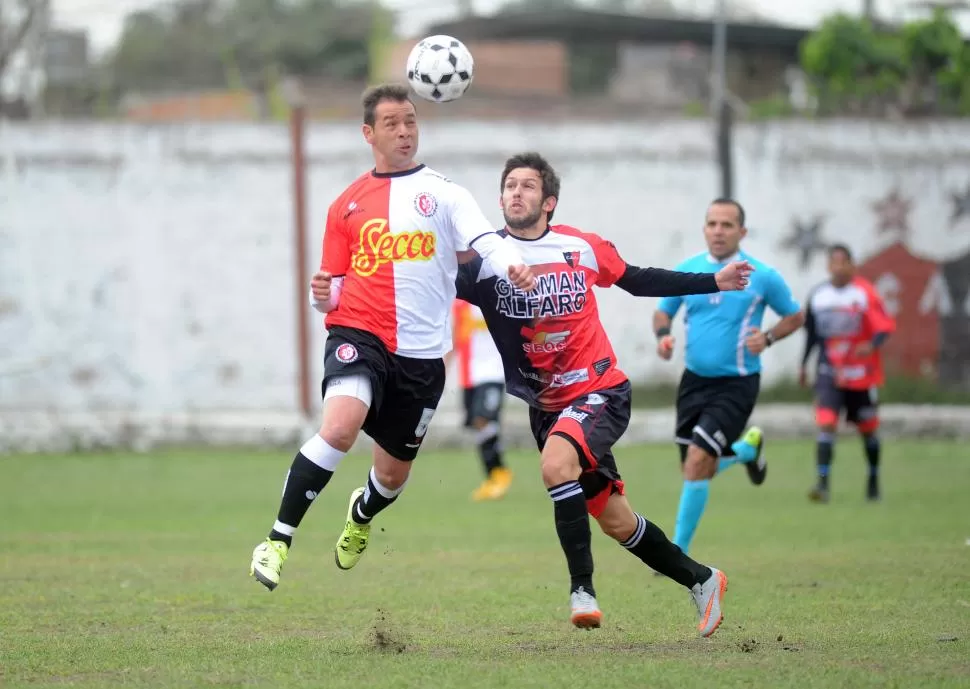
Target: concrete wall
[{"x": 149, "y": 268}]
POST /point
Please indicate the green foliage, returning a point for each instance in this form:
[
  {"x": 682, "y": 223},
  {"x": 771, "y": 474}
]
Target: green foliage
[
  {"x": 857, "y": 68},
  {"x": 777, "y": 106},
  {"x": 202, "y": 43}
]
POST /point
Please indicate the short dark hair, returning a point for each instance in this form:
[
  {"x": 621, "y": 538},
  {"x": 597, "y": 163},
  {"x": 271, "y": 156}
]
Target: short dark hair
[
  {"x": 840, "y": 248},
  {"x": 534, "y": 161},
  {"x": 726, "y": 201},
  {"x": 375, "y": 95}
]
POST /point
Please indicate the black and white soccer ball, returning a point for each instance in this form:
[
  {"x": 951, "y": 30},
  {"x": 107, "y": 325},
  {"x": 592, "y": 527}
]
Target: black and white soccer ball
[{"x": 440, "y": 69}]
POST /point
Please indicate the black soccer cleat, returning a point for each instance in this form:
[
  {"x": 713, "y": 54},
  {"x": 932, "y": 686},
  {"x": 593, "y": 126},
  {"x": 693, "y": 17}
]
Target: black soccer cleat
[
  {"x": 757, "y": 469},
  {"x": 872, "y": 490}
]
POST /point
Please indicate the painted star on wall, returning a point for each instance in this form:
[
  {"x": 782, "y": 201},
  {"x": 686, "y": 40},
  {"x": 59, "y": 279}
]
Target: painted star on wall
[
  {"x": 961, "y": 205},
  {"x": 806, "y": 239},
  {"x": 892, "y": 214}
]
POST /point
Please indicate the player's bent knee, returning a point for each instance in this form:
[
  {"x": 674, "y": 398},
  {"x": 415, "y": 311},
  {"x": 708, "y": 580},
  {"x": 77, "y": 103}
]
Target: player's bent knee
[
  {"x": 559, "y": 461},
  {"x": 346, "y": 401},
  {"x": 869, "y": 426},
  {"x": 700, "y": 464},
  {"x": 390, "y": 471}
]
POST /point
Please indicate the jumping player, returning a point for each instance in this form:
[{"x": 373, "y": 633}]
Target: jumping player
[
  {"x": 386, "y": 283},
  {"x": 847, "y": 321},
  {"x": 559, "y": 360}
]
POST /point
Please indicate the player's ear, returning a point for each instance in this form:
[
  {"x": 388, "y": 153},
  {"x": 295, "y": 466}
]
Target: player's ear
[
  {"x": 368, "y": 132},
  {"x": 549, "y": 204},
  {"x": 744, "y": 232}
]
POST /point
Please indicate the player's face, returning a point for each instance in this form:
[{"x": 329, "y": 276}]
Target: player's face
[
  {"x": 722, "y": 230},
  {"x": 521, "y": 201},
  {"x": 394, "y": 136},
  {"x": 841, "y": 269}
]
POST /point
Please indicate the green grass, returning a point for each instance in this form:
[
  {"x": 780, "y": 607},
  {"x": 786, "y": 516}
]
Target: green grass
[{"x": 128, "y": 570}]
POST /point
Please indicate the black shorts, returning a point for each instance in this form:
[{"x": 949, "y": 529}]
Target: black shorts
[
  {"x": 592, "y": 423},
  {"x": 861, "y": 406},
  {"x": 713, "y": 412},
  {"x": 406, "y": 391},
  {"x": 483, "y": 402}
]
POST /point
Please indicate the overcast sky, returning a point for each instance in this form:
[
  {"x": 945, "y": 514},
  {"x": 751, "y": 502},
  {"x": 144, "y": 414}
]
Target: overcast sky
[{"x": 103, "y": 18}]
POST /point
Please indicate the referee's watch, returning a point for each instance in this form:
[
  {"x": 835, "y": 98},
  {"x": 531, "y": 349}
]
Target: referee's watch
[{"x": 769, "y": 338}]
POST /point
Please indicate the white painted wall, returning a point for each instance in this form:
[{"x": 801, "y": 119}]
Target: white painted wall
[{"x": 150, "y": 267}]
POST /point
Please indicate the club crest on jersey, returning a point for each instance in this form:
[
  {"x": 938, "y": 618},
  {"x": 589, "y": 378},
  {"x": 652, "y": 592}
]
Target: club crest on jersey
[
  {"x": 378, "y": 246},
  {"x": 346, "y": 353},
  {"x": 425, "y": 204},
  {"x": 571, "y": 257}
]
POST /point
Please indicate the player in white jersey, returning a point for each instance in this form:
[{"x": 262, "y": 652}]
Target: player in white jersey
[
  {"x": 482, "y": 381},
  {"x": 386, "y": 283}
]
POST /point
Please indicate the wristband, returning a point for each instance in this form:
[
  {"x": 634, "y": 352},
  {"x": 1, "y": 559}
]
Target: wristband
[
  {"x": 769, "y": 338},
  {"x": 662, "y": 332}
]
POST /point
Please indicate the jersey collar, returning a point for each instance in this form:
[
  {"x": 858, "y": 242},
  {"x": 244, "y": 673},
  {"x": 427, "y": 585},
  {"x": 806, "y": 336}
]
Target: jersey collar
[{"x": 711, "y": 258}]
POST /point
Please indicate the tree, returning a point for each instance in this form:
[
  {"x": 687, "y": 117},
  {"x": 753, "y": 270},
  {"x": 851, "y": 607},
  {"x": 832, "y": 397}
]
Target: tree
[{"x": 17, "y": 18}]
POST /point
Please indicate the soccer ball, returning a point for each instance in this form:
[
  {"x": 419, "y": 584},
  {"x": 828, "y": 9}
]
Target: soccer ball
[{"x": 440, "y": 69}]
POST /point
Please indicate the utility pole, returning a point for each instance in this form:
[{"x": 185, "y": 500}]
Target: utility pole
[
  {"x": 720, "y": 108},
  {"x": 869, "y": 9}
]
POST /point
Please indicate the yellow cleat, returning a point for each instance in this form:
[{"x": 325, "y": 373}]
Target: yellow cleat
[
  {"x": 353, "y": 541},
  {"x": 495, "y": 486},
  {"x": 268, "y": 559}
]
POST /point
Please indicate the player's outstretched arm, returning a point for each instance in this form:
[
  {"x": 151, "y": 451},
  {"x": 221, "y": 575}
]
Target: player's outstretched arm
[{"x": 657, "y": 282}]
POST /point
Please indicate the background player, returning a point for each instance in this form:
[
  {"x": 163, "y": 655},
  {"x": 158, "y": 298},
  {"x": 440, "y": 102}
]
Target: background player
[
  {"x": 579, "y": 399},
  {"x": 719, "y": 386},
  {"x": 386, "y": 283},
  {"x": 846, "y": 319},
  {"x": 482, "y": 383}
]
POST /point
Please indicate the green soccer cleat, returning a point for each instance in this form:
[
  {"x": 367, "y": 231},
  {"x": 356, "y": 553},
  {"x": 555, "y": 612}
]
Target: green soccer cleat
[
  {"x": 758, "y": 467},
  {"x": 353, "y": 541},
  {"x": 268, "y": 559}
]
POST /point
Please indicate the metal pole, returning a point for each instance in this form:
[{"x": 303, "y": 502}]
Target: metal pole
[
  {"x": 869, "y": 9},
  {"x": 719, "y": 105},
  {"x": 294, "y": 95}
]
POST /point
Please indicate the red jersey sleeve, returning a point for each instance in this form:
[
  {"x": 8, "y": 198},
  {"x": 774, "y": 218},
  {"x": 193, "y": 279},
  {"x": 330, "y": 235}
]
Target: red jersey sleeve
[
  {"x": 877, "y": 318},
  {"x": 336, "y": 245},
  {"x": 611, "y": 265}
]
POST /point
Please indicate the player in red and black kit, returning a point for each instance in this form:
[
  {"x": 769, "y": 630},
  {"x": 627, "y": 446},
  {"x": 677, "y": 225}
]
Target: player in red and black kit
[
  {"x": 558, "y": 358},
  {"x": 846, "y": 319}
]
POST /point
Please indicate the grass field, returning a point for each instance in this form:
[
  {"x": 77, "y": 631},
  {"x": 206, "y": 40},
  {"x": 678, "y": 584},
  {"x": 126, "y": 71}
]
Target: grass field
[{"x": 131, "y": 570}]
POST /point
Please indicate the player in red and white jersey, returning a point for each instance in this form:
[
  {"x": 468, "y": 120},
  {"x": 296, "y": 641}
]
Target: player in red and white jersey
[
  {"x": 558, "y": 358},
  {"x": 846, "y": 319},
  {"x": 386, "y": 282},
  {"x": 482, "y": 381}
]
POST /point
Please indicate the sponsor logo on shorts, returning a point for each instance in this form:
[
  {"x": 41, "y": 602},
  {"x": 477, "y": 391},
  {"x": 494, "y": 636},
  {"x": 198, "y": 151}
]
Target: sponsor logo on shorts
[
  {"x": 595, "y": 399},
  {"x": 425, "y": 204},
  {"x": 546, "y": 343},
  {"x": 346, "y": 353},
  {"x": 422, "y": 428},
  {"x": 570, "y": 413},
  {"x": 378, "y": 247}
]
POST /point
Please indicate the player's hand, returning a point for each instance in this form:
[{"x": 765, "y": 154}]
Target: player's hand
[
  {"x": 521, "y": 276},
  {"x": 320, "y": 285},
  {"x": 803, "y": 377},
  {"x": 665, "y": 347},
  {"x": 863, "y": 349},
  {"x": 756, "y": 341},
  {"x": 734, "y": 276}
]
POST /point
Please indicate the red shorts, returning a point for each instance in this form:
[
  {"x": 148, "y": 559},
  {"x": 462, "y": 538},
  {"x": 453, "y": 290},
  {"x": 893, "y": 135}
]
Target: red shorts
[
  {"x": 592, "y": 423},
  {"x": 861, "y": 406}
]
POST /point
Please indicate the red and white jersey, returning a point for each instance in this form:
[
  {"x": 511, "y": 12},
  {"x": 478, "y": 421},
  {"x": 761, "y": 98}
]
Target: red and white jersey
[
  {"x": 839, "y": 319},
  {"x": 393, "y": 239},
  {"x": 476, "y": 356},
  {"x": 552, "y": 341}
]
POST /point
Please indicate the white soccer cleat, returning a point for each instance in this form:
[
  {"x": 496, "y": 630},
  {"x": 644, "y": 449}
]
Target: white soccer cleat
[
  {"x": 707, "y": 597},
  {"x": 586, "y": 613}
]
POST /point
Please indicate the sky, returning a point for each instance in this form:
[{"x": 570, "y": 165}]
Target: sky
[{"x": 103, "y": 18}]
